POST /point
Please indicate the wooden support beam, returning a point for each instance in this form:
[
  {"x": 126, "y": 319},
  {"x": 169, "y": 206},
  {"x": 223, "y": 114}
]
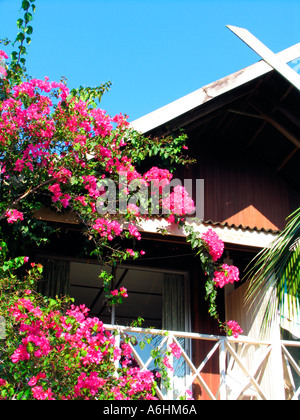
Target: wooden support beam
[
  {"x": 210, "y": 108},
  {"x": 283, "y": 130},
  {"x": 244, "y": 104},
  {"x": 283, "y": 97},
  {"x": 287, "y": 159},
  {"x": 292, "y": 117},
  {"x": 257, "y": 133},
  {"x": 286, "y": 93},
  {"x": 246, "y": 114}
]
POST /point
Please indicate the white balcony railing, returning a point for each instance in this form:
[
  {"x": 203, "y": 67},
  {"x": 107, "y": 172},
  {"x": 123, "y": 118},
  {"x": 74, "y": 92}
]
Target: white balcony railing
[{"x": 247, "y": 369}]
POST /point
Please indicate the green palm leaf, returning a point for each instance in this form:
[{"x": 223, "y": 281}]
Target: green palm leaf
[{"x": 276, "y": 271}]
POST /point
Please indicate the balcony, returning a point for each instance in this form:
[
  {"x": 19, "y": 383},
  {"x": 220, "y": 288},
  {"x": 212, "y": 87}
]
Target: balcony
[{"x": 245, "y": 369}]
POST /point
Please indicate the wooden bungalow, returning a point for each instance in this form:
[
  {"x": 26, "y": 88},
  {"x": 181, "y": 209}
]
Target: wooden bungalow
[{"x": 244, "y": 131}]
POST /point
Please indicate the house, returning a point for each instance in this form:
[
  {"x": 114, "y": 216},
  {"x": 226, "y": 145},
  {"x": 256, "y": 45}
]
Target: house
[{"x": 244, "y": 131}]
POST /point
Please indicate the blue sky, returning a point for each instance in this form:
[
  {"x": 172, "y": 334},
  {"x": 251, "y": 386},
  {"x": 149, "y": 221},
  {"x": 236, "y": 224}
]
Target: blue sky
[{"x": 153, "y": 51}]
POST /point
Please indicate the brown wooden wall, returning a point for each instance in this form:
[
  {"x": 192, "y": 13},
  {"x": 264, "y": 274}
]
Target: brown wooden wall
[{"x": 241, "y": 190}]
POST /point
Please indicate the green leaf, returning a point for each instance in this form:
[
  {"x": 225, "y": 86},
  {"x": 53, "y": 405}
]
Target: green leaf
[
  {"x": 14, "y": 55},
  {"x": 154, "y": 353},
  {"x": 20, "y": 23},
  {"x": 133, "y": 340},
  {"x": 142, "y": 345},
  {"x": 25, "y": 5},
  {"x": 22, "y": 49},
  {"x": 52, "y": 302},
  {"x": 20, "y": 37},
  {"x": 4, "y": 393},
  {"x": 209, "y": 287},
  {"x": 29, "y": 30},
  {"x": 28, "y": 17}
]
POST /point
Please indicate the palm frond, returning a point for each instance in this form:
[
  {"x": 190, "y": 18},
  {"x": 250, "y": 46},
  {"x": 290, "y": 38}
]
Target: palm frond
[{"x": 277, "y": 269}]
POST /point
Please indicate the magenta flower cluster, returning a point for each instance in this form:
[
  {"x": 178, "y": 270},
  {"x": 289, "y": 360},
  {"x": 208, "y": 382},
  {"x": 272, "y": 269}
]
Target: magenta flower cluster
[
  {"x": 234, "y": 328},
  {"x": 79, "y": 347},
  {"x": 228, "y": 274},
  {"x": 214, "y": 243}
]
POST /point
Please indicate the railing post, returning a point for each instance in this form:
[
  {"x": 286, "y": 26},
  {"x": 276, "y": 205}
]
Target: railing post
[
  {"x": 277, "y": 370},
  {"x": 117, "y": 345},
  {"x": 222, "y": 368}
]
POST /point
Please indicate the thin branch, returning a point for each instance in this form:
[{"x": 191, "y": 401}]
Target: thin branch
[{"x": 28, "y": 192}]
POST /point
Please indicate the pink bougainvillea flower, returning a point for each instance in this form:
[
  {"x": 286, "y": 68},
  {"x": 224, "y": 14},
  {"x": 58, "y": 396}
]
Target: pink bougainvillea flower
[
  {"x": 234, "y": 328},
  {"x": 3, "y": 72},
  {"x": 166, "y": 362},
  {"x": 133, "y": 209},
  {"x": 158, "y": 178},
  {"x": 33, "y": 381},
  {"x": 134, "y": 232},
  {"x": 215, "y": 244},
  {"x": 81, "y": 199},
  {"x": 20, "y": 354},
  {"x": 3, "y": 382},
  {"x": 178, "y": 202},
  {"x": 175, "y": 350},
  {"x": 123, "y": 291},
  {"x": 108, "y": 228},
  {"x": 39, "y": 393},
  {"x": 3, "y": 54},
  {"x": 130, "y": 252},
  {"x": 14, "y": 215},
  {"x": 228, "y": 274}
]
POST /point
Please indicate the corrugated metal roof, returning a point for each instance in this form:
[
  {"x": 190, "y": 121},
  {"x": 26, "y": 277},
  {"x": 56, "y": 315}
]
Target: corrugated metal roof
[{"x": 248, "y": 228}]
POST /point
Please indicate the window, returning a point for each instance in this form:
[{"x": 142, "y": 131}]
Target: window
[{"x": 160, "y": 297}]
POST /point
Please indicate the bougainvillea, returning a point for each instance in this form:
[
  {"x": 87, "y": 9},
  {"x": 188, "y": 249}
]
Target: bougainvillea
[
  {"x": 175, "y": 350},
  {"x": 3, "y": 72},
  {"x": 228, "y": 274},
  {"x": 65, "y": 356},
  {"x": 59, "y": 150},
  {"x": 234, "y": 329},
  {"x": 215, "y": 244}
]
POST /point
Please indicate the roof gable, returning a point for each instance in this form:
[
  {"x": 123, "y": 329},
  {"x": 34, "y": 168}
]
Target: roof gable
[
  {"x": 200, "y": 97},
  {"x": 255, "y": 110}
]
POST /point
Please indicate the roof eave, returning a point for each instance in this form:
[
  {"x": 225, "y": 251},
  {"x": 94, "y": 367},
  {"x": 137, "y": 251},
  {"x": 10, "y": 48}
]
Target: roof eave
[{"x": 211, "y": 91}]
